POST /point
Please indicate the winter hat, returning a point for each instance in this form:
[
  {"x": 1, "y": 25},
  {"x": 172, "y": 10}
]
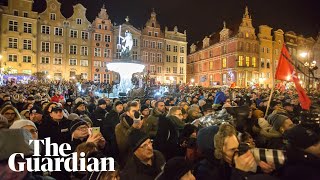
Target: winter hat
[
  {"x": 69, "y": 100},
  {"x": 75, "y": 124},
  {"x": 22, "y": 123},
  {"x": 78, "y": 104},
  {"x": 36, "y": 109},
  {"x": 117, "y": 103},
  {"x": 278, "y": 121},
  {"x": 201, "y": 102},
  {"x": 301, "y": 137},
  {"x": 86, "y": 119},
  {"x": 30, "y": 98},
  {"x": 3, "y": 122},
  {"x": 136, "y": 138},
  {"x": 78, "y": 100},
  {"x": 143, "y": 107},
  {"x": 73, "y": 117},
  {"x": 101, "y": 102},
  {"x": 175, "y": 168}
]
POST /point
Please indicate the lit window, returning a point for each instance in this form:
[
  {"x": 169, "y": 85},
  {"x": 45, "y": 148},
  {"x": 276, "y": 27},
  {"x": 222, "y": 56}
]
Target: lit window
[
  {"x": 224, "y": 62},
  {"x": 247, "y": 61},
  {"x": 240, "y": 63}
]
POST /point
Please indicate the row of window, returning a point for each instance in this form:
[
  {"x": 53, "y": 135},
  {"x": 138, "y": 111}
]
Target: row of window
[
  {"x": 174, "y": 70},
  {"x": 13, "y": 43},
  {"x": 155, "y": 34},
  {"x": 14, "y": 58},
  {"x": 106, "y": 78},
  {"x": 98, "y": 37},
  {"x": 152, "y": 44},
  {"x": 58, "y": 61},
  {"x": 174, "y": 59},
  {"x": 175, "y": 48},
  {"x": 152, "y": 57}
]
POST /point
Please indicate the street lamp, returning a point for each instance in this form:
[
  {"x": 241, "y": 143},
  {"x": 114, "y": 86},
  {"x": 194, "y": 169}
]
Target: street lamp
[
  {"x": 192, "y": 80},
  {"x": 310, "y": 65}
]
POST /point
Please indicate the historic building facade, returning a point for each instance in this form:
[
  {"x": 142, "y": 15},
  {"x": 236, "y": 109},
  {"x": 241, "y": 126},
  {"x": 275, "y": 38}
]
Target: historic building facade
[
  {"x": 18, "y": 38},
  {"x": 227, "y": 58}
]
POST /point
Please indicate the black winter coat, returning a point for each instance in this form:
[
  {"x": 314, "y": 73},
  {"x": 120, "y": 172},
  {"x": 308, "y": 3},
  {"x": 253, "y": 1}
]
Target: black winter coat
[{"x": 98, "y": 117}]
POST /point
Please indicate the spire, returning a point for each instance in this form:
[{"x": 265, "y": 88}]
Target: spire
[
  {"x": 153, "y": 14},
  {"x": 224, "y": 25},
  {"x": 103, "y": 13},
  {"x": 246, "y": 13},
  {"x": 103, "y": 6}
]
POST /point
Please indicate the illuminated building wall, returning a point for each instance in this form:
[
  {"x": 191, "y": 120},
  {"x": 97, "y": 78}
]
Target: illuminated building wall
[
  {"x": 175, "y": 58},
  {"x": 102, "y": 47},
  {"x": 18, "y": 37},
  {"x": 152, "y": 48}
]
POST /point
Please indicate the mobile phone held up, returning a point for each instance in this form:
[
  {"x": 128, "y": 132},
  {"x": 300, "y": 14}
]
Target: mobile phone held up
[{"x": 94, "y": 130}]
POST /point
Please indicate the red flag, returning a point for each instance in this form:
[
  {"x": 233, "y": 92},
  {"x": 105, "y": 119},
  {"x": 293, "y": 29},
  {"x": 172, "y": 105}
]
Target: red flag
[{"x": 285, "y": 71}]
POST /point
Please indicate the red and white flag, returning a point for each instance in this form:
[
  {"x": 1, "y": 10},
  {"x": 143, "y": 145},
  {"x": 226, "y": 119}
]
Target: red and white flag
[{"x": 286, "y": 72}]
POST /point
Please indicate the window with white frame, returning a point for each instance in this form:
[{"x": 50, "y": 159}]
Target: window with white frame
[
  {"x": 96, "y": 77},
  {"x": 106, "y": 78},
  {"x": 168, "y": 47},
  {"x": 15, "y": 12},
  {"x": 25, "y": 14},
  {"x": 182, "y": 49},
  {"x": 105, "y": 27},
  {"x": 168, "y": 58},
  {"x": 27, "y": 72},
  {"x": 145, "y": 55},
  {"x": 156, "y": 34},
  {"x": 73, "y": 49},
  {"x": 57, "y": 61},
  {"x": 97, "y": 52},
  {"x": 84, "y": 35},
  {"x": 159, "y": 69},
  {"x": 149, "y": 33},
  {"x": 84, "y": 62},
  {"x": 153, "y": 44},
  {"x": 84, "y": 75},
  {"x": 13, "y": 71},
  {"x": 159, "y": 57},
  {"x": 106, "y": 53},
  {"x": 52, "y": 16},
  {"x": 181, "y": 70},
  {"x": 145, "y": 43},
  {"x": 97, "y": 63},
  {"x": 134, "y": 55},
  {"x": 73, "y": 33},
  {"x": 153, "y": 57},
  {"x": 13, "y": 43},
  {"x": 58, "y": 31},
  {"x": 84, "y": 51},
  {"x": 45, "y": 60},
  {"x": 27, "y": 44},
  {"x": 97, "y": 37},
  {"x": 27, "y": 27},
  {"x": 72, "y": 62},
  {"x": 175, "y": 48},
  {"x": 181, "y": 59},
  {"x": 175, "y": 59},
  {"x": 118, "y": 53},
  {"x": 13, "y": 25},
  {"x": 152, "y": 69},
  {"x": 26, "y": 59},
  {"x": 45, "y": 29},
  {"x": 135, "y": 42},
  {"x": 174, "y": 70},
  {"x": 99, "y": 26},
  {"x": 58, "y": 48},
  {"x": 168, "y": 70},
  {"x": 159, "y": 45},
  {"x": 12, "y": 58},
  {"x": 79, "y": 21},
  {"x": 107, "y": 38}
]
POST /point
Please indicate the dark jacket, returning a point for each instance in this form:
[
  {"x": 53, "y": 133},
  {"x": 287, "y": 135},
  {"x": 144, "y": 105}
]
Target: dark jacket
[
  {"x": 167, "y": 140},
  {"x": 177, "y": 123},
  {"x": 136, "y": 170},
  {"x": 152, "y": 123},
  {"x": 98, "y": 117}
]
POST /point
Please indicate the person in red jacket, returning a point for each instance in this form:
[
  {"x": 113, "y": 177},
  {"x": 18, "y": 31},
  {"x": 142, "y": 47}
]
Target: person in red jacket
[{"x": 57, "y": 97}]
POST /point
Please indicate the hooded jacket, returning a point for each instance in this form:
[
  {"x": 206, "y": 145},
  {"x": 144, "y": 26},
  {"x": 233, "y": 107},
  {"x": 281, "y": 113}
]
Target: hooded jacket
[{"x": 152, "y": 123}]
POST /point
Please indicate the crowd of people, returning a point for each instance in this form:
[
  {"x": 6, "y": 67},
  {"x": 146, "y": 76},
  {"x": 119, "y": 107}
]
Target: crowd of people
[{"x": 203, "y": 134}]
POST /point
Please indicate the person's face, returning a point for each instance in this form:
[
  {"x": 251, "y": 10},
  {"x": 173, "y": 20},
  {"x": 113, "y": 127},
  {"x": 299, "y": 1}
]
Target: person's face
[
  {"x": 145, "y": 112},
  {"x": 10, "y": 115},
  {"x": 289, "y": 108},
  {"x": 36, "y": 117},
  {"x": 27, "y": 115},
  {"x": 179, "y": 114},
  {"x": 119, "y": 108},
  {"x": 230, "y": 146},
  {"x": 32, "y": 130},
  {"x": 145, "y": 151},
  {"x": 188, "y": 176},
  {"x": 286, "y": 125},
  {"x": 80, "y": 132},
  {"x": 30, "y": 106},
  {"x": 161, "y": 107},
  {"x": 82, "y": 107},
  {"x": 133, "y": 109},
  {"x": 147, "y": 102},
  {"x": 56, "y": 115},
  {"x": 108, "y": 102},
  {"x": 7, "y": 98},
  {"x": 69, "y": 103},
  {"x": 103, "y": 106},
  {"x": 228, "y": 101},
  {"x": 31, "y": 101}
]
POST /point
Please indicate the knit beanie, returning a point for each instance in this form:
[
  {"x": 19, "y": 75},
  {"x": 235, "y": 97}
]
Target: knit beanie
[
  {"x": 136, "y": 138},
  {"x": 3, "y": 122},
  {"x": 117, "y": 103},
  {"x": 78, "y": 104},
  {"x": 22, "y": 123},
  {"x": 301, "y": 137},
  {"x": 143, "y": 107},
  {"x": 175, "y": 168},
  {"x": 73, "y": 116},
  {"x": 101, "y": 101},
  {"x": 278, "y": 121},
  {"x": 75, "y": 124}
]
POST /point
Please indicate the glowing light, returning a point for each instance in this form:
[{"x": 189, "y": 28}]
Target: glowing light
[
  {"x": 300, "y": 82},
  {"x": 288, "y": 78},
  {"x": 171, "y": 78},
  {"x": 157, "y": 94},
  {"x": 73, "y": 77},
  {"x": 304, "y": 54},
  {"x": 1, "y": 57},
  {"x": 125, "y": 70},
  {"x": 192, "y": 80},
  {"x": 48, "y": 76}
]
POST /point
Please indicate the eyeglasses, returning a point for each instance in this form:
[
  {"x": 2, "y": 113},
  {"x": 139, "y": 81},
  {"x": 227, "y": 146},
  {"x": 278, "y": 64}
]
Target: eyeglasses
[
  {"x": 33, "y": 131},
  {"x": 146, "y": 145},
  {"x": 82, "y": 128}
]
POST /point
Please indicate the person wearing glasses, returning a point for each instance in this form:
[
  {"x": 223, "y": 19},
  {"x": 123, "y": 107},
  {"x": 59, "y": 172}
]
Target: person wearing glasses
[
  {"x": 144, "y": 162},
  {"x": 11, "y": 113},
  {"x": 27, "y": 125}
]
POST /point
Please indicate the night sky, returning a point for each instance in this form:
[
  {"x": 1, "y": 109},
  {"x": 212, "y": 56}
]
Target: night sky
[{"x": 202, "y": 17}]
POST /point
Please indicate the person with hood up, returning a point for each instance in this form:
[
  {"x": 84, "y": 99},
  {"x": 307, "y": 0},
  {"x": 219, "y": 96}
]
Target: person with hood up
[
  {"x": 11, "y": 113},
  {"x": 99, "y": 115}
]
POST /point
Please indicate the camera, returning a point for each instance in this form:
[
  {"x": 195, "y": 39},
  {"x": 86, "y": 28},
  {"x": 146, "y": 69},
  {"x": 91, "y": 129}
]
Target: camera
[
  {"x": 277, "y": 157},
  {"x": 137, "y": 116}
]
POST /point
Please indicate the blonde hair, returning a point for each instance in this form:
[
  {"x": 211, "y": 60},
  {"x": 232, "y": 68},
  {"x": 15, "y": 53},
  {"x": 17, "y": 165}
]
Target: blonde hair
[{"x": 225, "y": 130}]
